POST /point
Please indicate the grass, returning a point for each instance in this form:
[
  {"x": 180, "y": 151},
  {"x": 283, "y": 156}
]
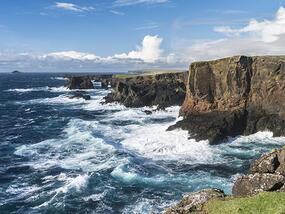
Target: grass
[
  {"x": 263, "y": 203},
  {"x": 123, "y": 76}
]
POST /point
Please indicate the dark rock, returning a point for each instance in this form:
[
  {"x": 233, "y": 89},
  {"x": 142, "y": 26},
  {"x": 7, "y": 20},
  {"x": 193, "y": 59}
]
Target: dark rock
[
  {"x": 79, "y": 95},
  {"x": 234, "y": 96},
  {"x": 80, "y": 82},
  {"x": 16, "y": 72},
  {"x": 147, "y": 112},
  {"x": 163, "y": 90},
  {"x": 194, "y": 201},
  {"x": 255, "y": 183}
]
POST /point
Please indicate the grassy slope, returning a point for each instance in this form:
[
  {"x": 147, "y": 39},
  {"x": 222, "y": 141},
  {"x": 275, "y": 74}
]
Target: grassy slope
[{"x": 267, "y": 202}]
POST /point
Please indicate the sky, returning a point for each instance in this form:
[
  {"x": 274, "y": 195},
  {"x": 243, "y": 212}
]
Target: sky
[{"x": 122, "y": 35}]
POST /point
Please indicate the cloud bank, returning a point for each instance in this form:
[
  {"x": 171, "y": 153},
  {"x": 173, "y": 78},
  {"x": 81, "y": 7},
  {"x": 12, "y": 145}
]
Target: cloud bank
[{"x": 266, "y": 37}]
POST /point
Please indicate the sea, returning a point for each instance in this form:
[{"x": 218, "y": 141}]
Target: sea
[{"x": 68, "y": 155}]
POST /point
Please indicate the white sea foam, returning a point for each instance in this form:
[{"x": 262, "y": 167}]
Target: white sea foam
[
  {"x": 58, "y": 78},
  {"x": 60, "y": 89},
  {"x": 77, "y": 148}
]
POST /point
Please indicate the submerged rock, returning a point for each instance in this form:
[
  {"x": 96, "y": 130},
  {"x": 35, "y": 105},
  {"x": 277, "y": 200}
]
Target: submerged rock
[
  {"x": 163, "y": 90},
  {"x": 194, "y": 202},
  {"x": 79, "y": 95},
  {"x": 234, "y": 96}
]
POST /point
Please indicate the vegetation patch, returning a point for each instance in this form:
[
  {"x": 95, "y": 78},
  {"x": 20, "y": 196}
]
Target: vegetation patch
[{"x": 266, "y": 202}]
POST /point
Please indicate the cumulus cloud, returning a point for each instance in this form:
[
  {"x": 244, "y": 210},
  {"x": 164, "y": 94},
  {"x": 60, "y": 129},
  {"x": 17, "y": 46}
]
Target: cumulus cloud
[
  {"x": 266, "y": 30},
  {"x": 149, "y": 51},
  {"x": 134, "y": 2},
  {"x": 72, "y": 7},
  {"x": 67, "y": 55}
]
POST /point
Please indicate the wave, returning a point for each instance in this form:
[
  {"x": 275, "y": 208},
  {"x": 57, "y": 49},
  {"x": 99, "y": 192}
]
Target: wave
[
  {"x": 47, "y": 88},
  {"x": 58, "y": 78}
]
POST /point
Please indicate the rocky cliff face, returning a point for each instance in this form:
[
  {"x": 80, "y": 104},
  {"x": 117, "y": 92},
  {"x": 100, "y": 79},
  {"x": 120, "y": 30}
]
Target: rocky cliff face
[
  {"x": 163, "y": 90},
  {"x": 79, "y": 82},
  {"x": 233, "y": 96}
]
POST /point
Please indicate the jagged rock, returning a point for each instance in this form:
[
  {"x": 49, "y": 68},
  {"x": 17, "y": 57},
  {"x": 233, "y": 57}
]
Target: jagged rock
[
  {"x": 255, "y": 183},
  {"x": 163, "y": 90},
  {"x": 147, "y": 112},
  {"x": 268, "y": 163},
  {"x": 79, "y": 82},
  {"x": 234, "y": 96},
  {"x": 194, "y": 201},
  {"x": 79, "y": 95}
]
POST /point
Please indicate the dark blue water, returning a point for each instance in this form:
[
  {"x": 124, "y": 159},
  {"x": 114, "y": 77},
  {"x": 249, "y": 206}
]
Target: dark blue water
[{"x": 62, "y": 155}]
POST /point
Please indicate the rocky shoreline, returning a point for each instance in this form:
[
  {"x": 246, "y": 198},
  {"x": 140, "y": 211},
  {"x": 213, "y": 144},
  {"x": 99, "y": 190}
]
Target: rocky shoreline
[
  {"x": 223, "y": 98},
  {"x": 266, "y": 174}
]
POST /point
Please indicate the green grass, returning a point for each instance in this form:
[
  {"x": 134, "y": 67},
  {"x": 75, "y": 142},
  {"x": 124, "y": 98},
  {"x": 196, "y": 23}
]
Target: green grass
[
  {"x": 267, "y": 203},
  {"x": 123, "y": 76}
]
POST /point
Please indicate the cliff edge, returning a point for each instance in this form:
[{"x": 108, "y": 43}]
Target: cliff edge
[{"x": 234, "y": 96}]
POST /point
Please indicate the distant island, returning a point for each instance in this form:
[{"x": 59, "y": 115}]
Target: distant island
[{"x": 16, "y": 72}]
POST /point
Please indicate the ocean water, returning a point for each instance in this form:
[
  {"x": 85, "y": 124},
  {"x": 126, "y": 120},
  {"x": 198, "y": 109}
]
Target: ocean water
[{"x": 62, "y": 155}]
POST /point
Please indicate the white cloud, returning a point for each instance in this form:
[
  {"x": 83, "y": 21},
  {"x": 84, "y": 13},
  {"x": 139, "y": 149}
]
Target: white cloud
[
  {"x": 266, "y": 30},
  {"x": 148, "y": 26},
  {"x": 134, "y": 2},
  {"x": 119, "y": 13},
  {"x": 69, "y": 55},
  {"x": 149, "y": 51},
  {"x": 72, "y": 7}
]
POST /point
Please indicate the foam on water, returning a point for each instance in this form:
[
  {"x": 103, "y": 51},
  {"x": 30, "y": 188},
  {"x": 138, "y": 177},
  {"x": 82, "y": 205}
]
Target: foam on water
[{"x": 125, "y": 147}]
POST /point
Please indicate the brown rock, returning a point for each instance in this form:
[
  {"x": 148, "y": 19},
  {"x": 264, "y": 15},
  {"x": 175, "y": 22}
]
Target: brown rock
[
  {"x": 163, "y": 90},
  {"x": 194, "y": 202},
  {"x": 268, "y": 163},
  {"x": 248, "y": 91},
  {"x": 255, "y": 183}
]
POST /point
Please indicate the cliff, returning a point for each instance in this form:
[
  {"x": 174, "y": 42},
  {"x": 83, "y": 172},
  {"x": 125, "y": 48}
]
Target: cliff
[
  {"x": 163, "y": 90},
  {"x": 234, "y": 96},
  {"x": 85, "y": 82}
]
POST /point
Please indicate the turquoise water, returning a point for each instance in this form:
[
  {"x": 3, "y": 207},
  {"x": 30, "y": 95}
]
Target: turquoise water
[{"x": 62, "y": 155}]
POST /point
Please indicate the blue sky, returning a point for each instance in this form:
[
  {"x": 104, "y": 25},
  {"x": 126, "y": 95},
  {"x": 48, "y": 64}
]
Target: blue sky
[{"x": 121, "y": 35}]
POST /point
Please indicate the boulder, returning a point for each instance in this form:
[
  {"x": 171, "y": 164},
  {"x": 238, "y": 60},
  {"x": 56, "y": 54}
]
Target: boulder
[
  {"x": 194, "y": 202},
  {"x": 255, "y": 183},
  {"x": 268, "y": 163}
]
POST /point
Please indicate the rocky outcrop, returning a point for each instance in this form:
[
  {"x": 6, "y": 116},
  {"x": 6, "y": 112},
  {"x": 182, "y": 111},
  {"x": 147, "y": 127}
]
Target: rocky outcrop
[
  {"x": 163, "y": 90},
  {"x": 234, "y": 96},
  {"x": 86, "y": 81},
  {"x": 79, "y": 82},
  {"x": 194, "y": 202},
  {"x": 265, "y": 174},
  {"x": 80, "y": 95}
]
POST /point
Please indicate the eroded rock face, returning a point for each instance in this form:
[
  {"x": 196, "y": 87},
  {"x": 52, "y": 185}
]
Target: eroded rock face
[
  {"x": 252, "y": 184},
  {"x": 79, "y": 82},
  {"x": 163, "y": 90},
  {"x": 233, "y": 96},
  {"x": 266, "y": 174},
  {"x": 194, "y": 201}
]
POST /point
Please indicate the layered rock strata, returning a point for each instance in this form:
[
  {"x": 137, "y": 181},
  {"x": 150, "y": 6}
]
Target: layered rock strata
[
  {"x": 162, "y": 90},
  {"x": 234, "y": 96}
]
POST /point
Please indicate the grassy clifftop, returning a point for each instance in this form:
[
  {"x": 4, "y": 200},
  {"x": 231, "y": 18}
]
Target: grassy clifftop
[{"x": 266, "y": 202}]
